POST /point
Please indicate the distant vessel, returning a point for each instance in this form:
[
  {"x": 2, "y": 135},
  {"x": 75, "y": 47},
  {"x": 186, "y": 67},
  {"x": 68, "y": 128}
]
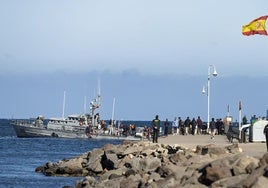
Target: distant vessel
[{"x": 74, "y": 126}]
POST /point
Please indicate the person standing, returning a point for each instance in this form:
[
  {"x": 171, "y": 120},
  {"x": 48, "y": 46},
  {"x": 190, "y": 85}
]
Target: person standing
[
  {"x": 245, "y": 120},
  {"x": 265, "y": 132},
  {"x": 178, "y": 126},
  {"x": 155, "y": 127},
  {"x": 199, "y": 125},
  {"x": 166, "y": 127},
  {"x": 193, "y": 123},
  {"x": 218, "y": 127},
  {"x": 174, "y": 126},
  {"x": 221, "y": 127},
  {"x": 181, "y": 126},
  {"x": 187, "y": 125},
  {"x": 212, "y": 128}
]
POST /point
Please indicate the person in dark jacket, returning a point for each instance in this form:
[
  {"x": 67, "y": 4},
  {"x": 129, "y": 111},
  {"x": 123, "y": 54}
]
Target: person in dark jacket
[
  {"x": 265, "y": 132},
  {"x": 212, "y": 128},
  {"x": 187, "y": 123},
  {"x": 166, "y": 127},
  {"x": 181, "y": 126},
  {"x": 193, "y": 123},
  {"x": 156, "y": 128},
  {"x": 199, "y": 125}
]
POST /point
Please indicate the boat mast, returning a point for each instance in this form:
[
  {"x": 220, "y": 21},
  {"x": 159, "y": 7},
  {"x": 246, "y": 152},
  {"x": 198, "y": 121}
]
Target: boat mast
[
  {"x": 96, "y": 103},
  {"x": 85, "y": 105},
  {"x": 99, "y": 93},
  {"x": 113, "y": 111},
  {"x": 63, "y": 105}
]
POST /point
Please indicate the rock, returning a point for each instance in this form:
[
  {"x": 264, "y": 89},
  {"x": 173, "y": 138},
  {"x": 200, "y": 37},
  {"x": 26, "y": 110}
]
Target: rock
[
  {"x": 149, "y": 164},
  {"x": 227, "y": 167},
  {"x": 190, "y": 178},
  {"x": 168, "y": 182},
  {"x": 111, "y": 174},
  {"x": 133, "y": 181},
  {"x": 212, "y": 150},
  {"x": 245, "y": 164},
  {"x": 93, "y": 163},
  {"x": 154, "y": 177},
  {"x": 261, "y": 182},
  {"x": 178, "y": 158},
  {"x": 217, "y": 172},
  {"x": 252, "y": 178},
  {"x": 146, "y": 152},
  {"x": 106, "y": 163},
  {"x": 229, "y": 182},
  {"x": 113, "y": 158},
  {"x": 164, "y": 171},
  {"x": 264, "y": 159},
  {"x": 71, "y": 167},
  {"x": 234, "y": 149},
  {"x": 88, "y": 182},
  {"x": 145, "y": 164}
]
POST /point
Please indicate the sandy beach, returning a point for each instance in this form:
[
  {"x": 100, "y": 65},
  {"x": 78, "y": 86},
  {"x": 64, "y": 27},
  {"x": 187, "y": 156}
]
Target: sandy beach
[{"x": 191, "y": 141}]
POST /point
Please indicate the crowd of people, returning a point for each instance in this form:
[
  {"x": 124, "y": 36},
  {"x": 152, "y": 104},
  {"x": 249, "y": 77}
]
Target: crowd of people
[
  {"x": 187, "y": 127},
  {"x": 196, "y": 126}
]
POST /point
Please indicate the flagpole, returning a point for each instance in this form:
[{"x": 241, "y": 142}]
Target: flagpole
[
  {"x": 63, "y": 105},
  {"x": 228, "y": 110},
  {"x": 113, "y": 110},
  {"x": 240, "y": 118},
  {"x": 85, "y": 105}
]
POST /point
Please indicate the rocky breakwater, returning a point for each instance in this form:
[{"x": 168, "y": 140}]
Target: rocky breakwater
[{"x": 144, "y": 164}]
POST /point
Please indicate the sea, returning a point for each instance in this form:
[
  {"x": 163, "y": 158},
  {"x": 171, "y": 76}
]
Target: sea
[{"x": 19, "y": 157}]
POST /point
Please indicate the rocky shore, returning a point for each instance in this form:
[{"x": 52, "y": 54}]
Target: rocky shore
[{"x": 146, "y": 164}]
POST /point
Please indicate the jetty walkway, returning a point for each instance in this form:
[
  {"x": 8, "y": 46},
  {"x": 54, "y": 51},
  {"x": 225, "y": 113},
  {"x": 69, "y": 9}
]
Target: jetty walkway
[{"x": 191, "y": 141}]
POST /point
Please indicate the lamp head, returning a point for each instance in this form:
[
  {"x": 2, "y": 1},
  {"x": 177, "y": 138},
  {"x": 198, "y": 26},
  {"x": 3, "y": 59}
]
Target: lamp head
[
  {"x": 203, "y": 90},
  {"x": 215, "y": 72}
]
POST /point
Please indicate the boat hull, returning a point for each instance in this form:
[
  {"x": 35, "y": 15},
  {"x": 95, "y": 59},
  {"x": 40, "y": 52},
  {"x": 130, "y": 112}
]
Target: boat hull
[{"x": 31, "y": 131}]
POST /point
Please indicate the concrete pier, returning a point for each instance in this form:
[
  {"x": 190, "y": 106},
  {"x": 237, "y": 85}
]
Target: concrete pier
[{"x": 191, "y": 141}]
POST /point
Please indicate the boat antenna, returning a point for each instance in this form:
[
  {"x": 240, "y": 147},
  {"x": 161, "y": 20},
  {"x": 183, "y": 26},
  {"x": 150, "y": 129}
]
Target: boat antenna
[
  {"x": 113, "y": 111},
  {"x": 95, "y": 104},
  {"x": 85, "y": 105},
  {"x": 99, "y": 93},
  {"x": 63, "y": 106}
]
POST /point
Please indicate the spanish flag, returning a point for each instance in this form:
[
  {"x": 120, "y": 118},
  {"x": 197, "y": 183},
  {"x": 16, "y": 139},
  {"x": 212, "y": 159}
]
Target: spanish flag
[{"x": 257, "y": 26}]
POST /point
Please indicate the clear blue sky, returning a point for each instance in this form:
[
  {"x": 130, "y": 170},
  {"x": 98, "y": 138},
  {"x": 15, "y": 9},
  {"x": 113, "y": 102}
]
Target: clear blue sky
[{"x": 152, "y": 56}]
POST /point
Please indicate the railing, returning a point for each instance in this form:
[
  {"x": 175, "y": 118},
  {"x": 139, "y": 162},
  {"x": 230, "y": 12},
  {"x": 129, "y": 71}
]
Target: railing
[{"x": 23, "y": 122}]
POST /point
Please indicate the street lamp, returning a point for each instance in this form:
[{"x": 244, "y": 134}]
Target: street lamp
[{"x": 208, "y": 89}]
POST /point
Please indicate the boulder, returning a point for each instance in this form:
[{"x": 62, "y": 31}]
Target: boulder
[{"x": 145, "y": 164}]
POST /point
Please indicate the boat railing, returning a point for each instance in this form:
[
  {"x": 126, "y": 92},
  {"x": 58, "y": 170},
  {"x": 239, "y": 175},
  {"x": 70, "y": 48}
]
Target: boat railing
[
  {"x": 28, "y": 122},
  {"x": 22, "y": 122}
]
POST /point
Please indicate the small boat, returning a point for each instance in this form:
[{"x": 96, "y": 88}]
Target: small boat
[{"x": 74, "y": 126}]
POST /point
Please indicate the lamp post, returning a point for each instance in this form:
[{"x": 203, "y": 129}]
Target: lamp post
[{"x": 208, "y": 90}]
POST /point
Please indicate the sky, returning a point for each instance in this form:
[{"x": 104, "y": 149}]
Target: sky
[{"x": 151, "y": 57}]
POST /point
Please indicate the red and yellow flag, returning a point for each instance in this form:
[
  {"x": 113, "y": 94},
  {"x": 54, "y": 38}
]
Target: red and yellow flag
[{"x": 257, "y": 26}]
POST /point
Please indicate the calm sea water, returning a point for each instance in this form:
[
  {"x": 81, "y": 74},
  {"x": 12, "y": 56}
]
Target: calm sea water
[{"x": 19, "y": 157}]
